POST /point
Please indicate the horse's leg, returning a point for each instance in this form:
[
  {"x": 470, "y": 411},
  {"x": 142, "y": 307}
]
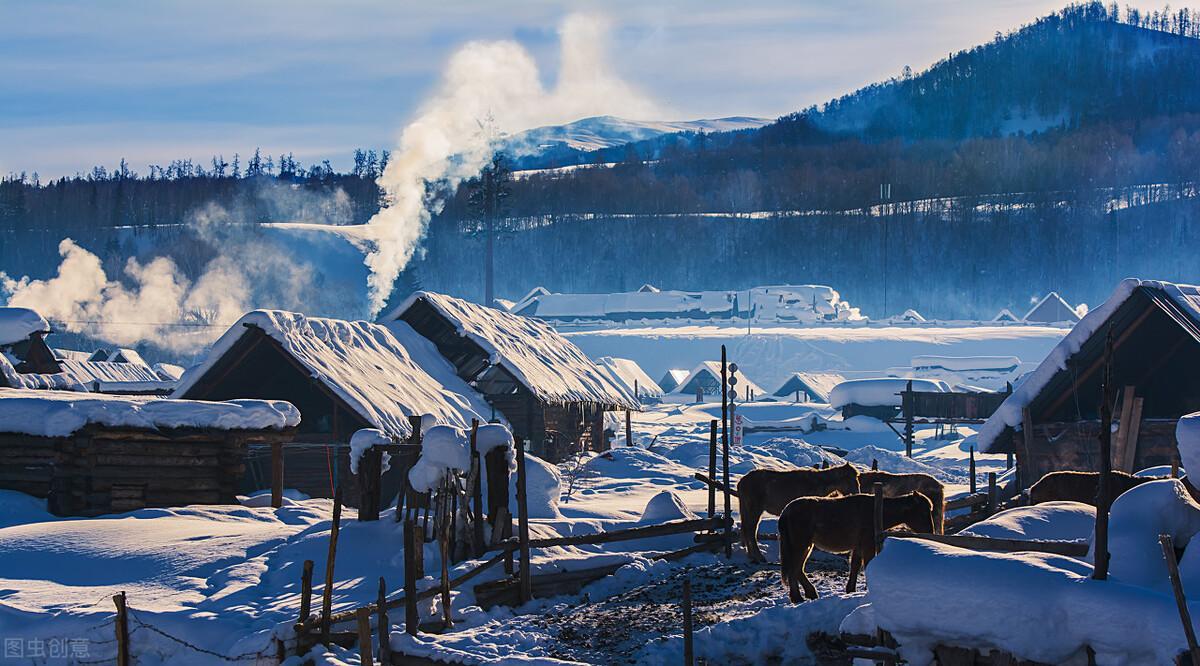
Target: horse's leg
[
  {"x": 751, "y": 514},
  {"x": 855, "y": 567},
  {"x": 809, "y": 590}
]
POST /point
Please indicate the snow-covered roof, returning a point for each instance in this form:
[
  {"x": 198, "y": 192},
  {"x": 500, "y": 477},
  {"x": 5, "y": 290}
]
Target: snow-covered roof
[
  {"x": 536, "y": 355},
  {"x": 72, "y": 354},
  {"x": 17, "y": 324},
  {"x": 126, "y": 355},
  {"x": 168, "y": 371},
  {"x": 819, "y": 384},
  {"x": 671, "y": 379},
  {"x": 60, "y": 413},
  {"x": 383, "y": 373},
  {"x": 630, "y": 374},
  {"x": 1005, "y": 315},
  {"x": 1052, "y": 309},
  {"x": 713, "y": 369},
  {"x": 86, "y": 372},
  {"x": 911, "y": 315},
  {"x": 966, "y": 363},
  {"x": 879, "y": 392},
  {"x": 1008, "y": 415}
]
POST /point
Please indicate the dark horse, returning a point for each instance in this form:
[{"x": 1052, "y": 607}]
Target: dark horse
[
  {"x": 895, "y": 485},
  {"x": 841, "y": 525},
  {"x": 1081, "y": 487},
  {"x": 770, "y": 490}
]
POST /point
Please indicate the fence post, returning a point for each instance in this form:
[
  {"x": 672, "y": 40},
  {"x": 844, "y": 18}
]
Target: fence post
[
  {"x": 725, "y": 448},
  {"x": 1185, "y": 616},
  {"x": 364, "y": 636},
  {"x": 1104, "y": 492},
  {"x": 878, "y": 516},
  {"x": 444, "y": 528},
  {"x": 411, "y": 543},
  {"x": 526, "y": 584},
  {"x": 306, "y": 591},
  {"x": 712, "y": 467},
  {"x": 874, "y": 464},
  {"x": 628, "y": 428},
  {"x": 972, "y": 466},
  {"x": 370, "y": 471},
  {"x": 477, "y": 548},
  {"x": 327, "y": 593},
  {"x": 688, "y": 648},
  {"x": 276, "y": 474},
  {"x": 993, "y": 503},
  {"x": 906, "y": 403},
  {"x": 385, "y": 633},
  {"x": 121, "y": 624}
]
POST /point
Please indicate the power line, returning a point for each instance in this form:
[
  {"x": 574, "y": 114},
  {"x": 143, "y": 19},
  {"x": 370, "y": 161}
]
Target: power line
[{"x": 174, "y": 324}]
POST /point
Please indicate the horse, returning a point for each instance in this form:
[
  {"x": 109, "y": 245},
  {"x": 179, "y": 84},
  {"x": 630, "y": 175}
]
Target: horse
[
  {"x": 1083, "y": 487},
  {"x": 841, "y": 525},
  {"x": 895, "y": 485},
  {"x": 770, "y": 490}
]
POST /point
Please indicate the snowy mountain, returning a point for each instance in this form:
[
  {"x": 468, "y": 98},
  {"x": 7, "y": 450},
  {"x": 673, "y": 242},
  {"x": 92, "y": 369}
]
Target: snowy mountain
[{"x": 561, "y": 142}]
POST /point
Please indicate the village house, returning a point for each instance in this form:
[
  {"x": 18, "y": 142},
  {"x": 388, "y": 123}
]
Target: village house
[
  {"x": 809, "y": 386},
  {"x": 551, "y": 393},
  {"x": 343, "y": 376},
  {"x": 704, "y": 381},
  {"x": 1051, "y": 421}
]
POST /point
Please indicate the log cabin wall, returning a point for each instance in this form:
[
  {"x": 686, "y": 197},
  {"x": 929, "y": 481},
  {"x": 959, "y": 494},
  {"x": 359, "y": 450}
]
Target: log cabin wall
[
  {"x": 101, "y": 470},
  {"x": 1076, "y": 446}
]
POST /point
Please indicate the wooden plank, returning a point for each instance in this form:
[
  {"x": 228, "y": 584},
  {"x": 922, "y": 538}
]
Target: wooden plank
[
  {"x": 629, "y": 534},
  {"x": 973, "y": 500},
  {"x": 327, "y": 593},
  {"x": 1135, "y": 429},
  {"x": 1185, "y": 616},
  {"x": 523, "y": 524},
  {"x": 276, "y": 474},
  {"x": 1067, "y": 548},
  {"x": 1123, "y": 427}
]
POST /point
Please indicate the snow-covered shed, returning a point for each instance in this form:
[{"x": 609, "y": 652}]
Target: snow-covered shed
[
  {"x": 705, "y": 380},
  {"x": 1052, "y": 309},
  {"x": 671, "y": 380},
  {"x": 550, "y": 391},
  {"x": 343, "y": 376},
  {"x": 809, "y": 386},
  {"x": 632, "y": 377},
  {"x": 878, "y": 397},
  {"x": 91, "y": 454},
  {"x": 1051, "y": 420}
]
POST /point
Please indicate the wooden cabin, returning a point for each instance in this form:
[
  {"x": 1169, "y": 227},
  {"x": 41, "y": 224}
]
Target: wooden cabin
[
  {"x": 1051, "y": 421},
  {"x": 23, "y": 340},
  {"x": 550, "y": 392},
  {"x": 343, "y": 376},
  {"x": 705, "y": 381},
  {"x": 92, "y": 454}
]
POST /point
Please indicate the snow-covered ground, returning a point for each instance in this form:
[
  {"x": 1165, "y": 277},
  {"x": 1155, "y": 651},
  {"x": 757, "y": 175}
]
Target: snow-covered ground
[{"x": 226, "y": 579}]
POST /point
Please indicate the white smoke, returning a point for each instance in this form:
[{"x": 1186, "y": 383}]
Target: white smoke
[{"x": 448, "y": 142}]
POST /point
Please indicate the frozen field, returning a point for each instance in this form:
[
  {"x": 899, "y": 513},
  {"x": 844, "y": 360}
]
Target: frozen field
[{"x": 768, "y": 355}]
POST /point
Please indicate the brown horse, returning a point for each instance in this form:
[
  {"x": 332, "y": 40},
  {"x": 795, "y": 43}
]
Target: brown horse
[
  {"x": 1069, "y": 486},
  {"x": 841, "y": 525},
  {"x": 895, "y": 485},
  {"x": 770, "y": 490}
]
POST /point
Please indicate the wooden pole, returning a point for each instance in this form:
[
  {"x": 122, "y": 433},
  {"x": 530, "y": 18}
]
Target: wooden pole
[
  {"x": 306, "y": 591},
  {"x": 477, "y": 545},
  {"x": 725, "y": 447},
  {"x": 688, "y": 650},
  {"x": 385, "y": 634},
  {"x": 121, "y": 624},
  {"x": 712, "y": 467},
  {"x": 878, "y": 516},
  {"x": 276, "y": 474},
  {"x": 1175, "y": 466},
  {"x": 411, "y": 619},
  {"x": 972, "y": 470},
  {"x": 327, "y": 593},
  {"x": 1023, "y": 472},
  {"x": 906, "y": 402},
  {"x": 444, "y": 528},
  {"x": 874, "y": 464},
  {"x": 526, "y": 582},
  {"x": 370, "y": 471},
  {"x": 1104, "y": 490},
  {"x": 992, "y": 493},
  {"x": 364, "y": 636},
  {"x": 628, "y": 428},
  {"x": 1185, "y": 615}
]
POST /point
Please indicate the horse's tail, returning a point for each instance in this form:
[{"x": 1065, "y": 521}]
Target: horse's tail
[
  {"x": 938, "y": 499},
  {"x": 786, "y": 556}
]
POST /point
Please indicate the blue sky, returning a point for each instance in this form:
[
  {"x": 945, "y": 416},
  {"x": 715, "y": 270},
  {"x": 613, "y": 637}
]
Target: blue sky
[{"x": 91, "y": 82}]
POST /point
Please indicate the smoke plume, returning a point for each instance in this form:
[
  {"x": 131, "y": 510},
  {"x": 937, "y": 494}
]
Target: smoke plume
[{"x": 487, "y": 89}]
